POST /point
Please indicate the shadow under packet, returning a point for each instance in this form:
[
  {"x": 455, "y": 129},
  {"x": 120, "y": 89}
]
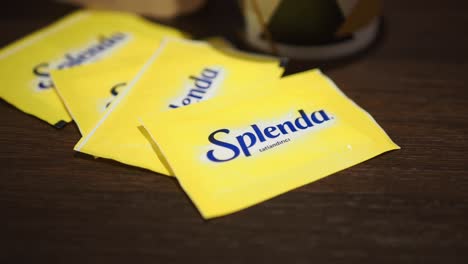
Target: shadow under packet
[
  {"x": 82, "y": 37},
  {"x": 87, "y": 91},
  {"x": 179, "y": 73},
  {"x": 231, "y": 154}
]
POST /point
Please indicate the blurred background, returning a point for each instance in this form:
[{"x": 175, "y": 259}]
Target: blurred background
[{"x": 323, "y": 32}]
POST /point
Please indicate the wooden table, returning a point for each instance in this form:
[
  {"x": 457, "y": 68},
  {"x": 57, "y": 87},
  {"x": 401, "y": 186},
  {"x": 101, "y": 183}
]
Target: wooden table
[{"x": 407, "y": 206}]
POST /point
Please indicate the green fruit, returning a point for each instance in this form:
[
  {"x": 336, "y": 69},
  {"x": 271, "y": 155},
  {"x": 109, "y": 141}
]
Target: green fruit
[{"x": 306, "y": 22}]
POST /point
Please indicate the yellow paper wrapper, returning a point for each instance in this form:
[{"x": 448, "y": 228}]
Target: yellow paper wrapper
[
  {"x": 230, "y": 154},
  {"x": 87, "y": 91}
]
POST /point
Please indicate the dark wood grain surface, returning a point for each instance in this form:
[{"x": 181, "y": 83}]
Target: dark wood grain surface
[{"x": 407, "y": 206}]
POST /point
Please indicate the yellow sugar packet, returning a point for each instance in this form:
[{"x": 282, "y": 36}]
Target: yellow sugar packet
[
  {"x": 87, "y": 91},
  {"x": 219, "y": 42},
  {"x": 229, "y": 155},
  {"x": 179, "y": 73},
  {"x": 79, "y": 38}
]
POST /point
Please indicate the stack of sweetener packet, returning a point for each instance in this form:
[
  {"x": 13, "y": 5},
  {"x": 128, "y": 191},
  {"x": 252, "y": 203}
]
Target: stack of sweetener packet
[
  {"x": 223, "y": 122},
  {"x": 179, "y": 73},
  {"x": 80, "y": 38}
]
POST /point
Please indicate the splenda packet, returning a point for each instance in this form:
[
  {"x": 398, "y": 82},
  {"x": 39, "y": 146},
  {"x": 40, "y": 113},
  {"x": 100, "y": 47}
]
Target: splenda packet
[
  {"x": 229, "y": 155},
  {"x": 87, "y": 91}
]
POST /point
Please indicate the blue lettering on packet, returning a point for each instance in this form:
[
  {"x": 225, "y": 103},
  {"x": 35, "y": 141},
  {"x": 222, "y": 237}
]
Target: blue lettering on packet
[
  {"x": 114, "y": 92},
  {"x": 199, "y": 88},
  {"x": 104, "y": 44},
  {"x": 248, "y": 140}
]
